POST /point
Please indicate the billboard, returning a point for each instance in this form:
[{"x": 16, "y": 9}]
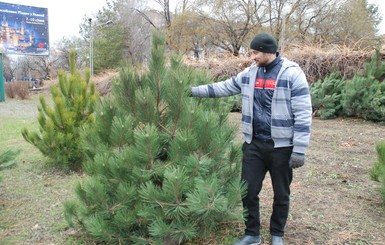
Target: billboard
[{"x": 23, "y": 29}]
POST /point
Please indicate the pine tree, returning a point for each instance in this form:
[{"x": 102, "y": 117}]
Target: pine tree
[
  {"x": 162, "y": 168},
  {"x": 73, "y": 106},
  {"x": 326, "y": 96},
  {"x": 375, "y": 68},
  {"x": 6, "y": 159},
  {"x": 377, "y": 172},
  {"x": 364, "y": 97}
]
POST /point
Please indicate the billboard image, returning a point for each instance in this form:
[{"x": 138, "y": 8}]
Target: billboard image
[{"x": 23, "y": 29}]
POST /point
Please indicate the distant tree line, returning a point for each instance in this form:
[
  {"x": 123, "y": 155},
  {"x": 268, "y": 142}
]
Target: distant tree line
[{"x": 203, "y": 28}]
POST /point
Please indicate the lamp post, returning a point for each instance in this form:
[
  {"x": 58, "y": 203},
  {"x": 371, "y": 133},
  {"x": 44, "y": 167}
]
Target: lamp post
[
  {"x": 92, "y": 44},
  {"x": 91, "y": 48}
]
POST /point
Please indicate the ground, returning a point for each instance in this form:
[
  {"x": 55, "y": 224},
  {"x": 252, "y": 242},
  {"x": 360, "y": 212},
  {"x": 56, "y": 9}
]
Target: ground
[{"x": 334, "y": 201}]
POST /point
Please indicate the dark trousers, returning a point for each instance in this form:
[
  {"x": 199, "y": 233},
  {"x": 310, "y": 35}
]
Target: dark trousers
[{"x": 259, "y": 157}]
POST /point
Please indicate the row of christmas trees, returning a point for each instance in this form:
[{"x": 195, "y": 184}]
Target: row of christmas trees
[{"x": 363, "y": 96}]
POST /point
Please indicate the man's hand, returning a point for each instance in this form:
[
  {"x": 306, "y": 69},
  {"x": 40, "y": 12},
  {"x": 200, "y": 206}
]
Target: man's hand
[{"x": 296, "y": 160}]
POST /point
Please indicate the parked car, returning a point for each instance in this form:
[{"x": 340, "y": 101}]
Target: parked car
[{"x": 32, "y": 82}]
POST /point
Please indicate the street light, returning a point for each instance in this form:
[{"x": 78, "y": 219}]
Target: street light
[{"x": 92, "y": 43}]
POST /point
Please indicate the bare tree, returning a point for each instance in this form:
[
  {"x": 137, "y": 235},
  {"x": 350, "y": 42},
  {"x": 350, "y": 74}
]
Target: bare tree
[
  {"x": 9, "y": 67},
  {"x": 44, "y": 66},
  {"x": 354, "y": 25},
  {"x": 165, "y": 5},
  {"x": 137, "y": 26},
  {"x": 225, "y": 24},
  {"x": 188, "y": 33},
  {"x": 26, "y": 66},
  {"x": 322, "y": 21},
  {"x": 229, "y": 22},
  {"x": 59, "y": 57}
]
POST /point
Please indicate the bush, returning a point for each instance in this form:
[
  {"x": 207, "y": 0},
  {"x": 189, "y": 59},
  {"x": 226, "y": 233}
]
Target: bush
[
  {"x": 317, "y": 62},
  {"x": 6, "y": 159},
  {"x": 375, "y": 68},
  {"x": 58, "y": 137},
  {"x": 10, "y": 90},
  {"x": 17, "y": 89},
  {"x": 326, "y": 96},
  {"x": 364, "y": 95}
]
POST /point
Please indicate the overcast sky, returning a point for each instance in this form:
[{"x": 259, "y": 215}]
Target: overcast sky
[
  {"x": 64, "y": 16},
  {"x": 381, "y": 5}
]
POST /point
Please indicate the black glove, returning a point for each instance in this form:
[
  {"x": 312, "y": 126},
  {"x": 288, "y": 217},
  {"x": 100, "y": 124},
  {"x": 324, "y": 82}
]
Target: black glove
[
  {"x": 188, "y": 92},
  {"x": 296, "y": 160}
]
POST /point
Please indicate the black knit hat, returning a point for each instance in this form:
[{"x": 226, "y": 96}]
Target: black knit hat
[{"x": 264, "y": 42}]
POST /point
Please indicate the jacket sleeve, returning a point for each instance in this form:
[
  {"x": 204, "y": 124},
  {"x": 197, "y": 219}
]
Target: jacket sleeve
[
  {"x": 302, "y": 111},
  {"x": 228, "y": 87}
]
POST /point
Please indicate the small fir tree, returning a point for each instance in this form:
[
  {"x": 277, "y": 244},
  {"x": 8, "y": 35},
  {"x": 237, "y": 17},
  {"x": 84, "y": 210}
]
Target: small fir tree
[
  {"x": 326, "y": 96},
  {"x": 377, "y": 173},
  {"x": 73, "y": 106},
  {"x": 6, "y": 159},
  {"x": 375, "y": 68},
  {"x": 364, "y": 97},
  {"x": 162, "y": 168}
]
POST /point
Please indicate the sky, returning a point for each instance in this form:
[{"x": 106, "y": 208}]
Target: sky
[
  {"x": 65, "y": 16},
  {"x": 381, "y": 7}
]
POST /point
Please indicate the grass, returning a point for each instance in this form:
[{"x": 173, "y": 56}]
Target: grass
[
  {"x": 333, "y": 199},
  {"x": 31, "y": 195}
]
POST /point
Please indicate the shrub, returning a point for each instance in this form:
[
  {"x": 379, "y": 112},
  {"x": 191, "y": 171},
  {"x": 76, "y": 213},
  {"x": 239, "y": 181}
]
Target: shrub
[
  {"x": 326, "y": 96},
  {"x": 10, "y": 90},
  {"x": 21, "y": 89},
  {"x": 17, "y": 89},
  {"x": 6, "y": 159},
  {"x": 375, "y": 68},
  {"x": 364, "y": 97},
  {"x": 368, "y": 91},
  {"x": 58, "y": 137}
]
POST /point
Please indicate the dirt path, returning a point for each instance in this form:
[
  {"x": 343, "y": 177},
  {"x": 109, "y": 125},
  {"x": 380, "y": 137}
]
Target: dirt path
[
  {"x": 14, "y": 107},
  {"x": 333, "y": 199}
]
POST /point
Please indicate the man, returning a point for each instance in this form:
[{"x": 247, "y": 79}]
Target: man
[{"x": 276, "y": 120}]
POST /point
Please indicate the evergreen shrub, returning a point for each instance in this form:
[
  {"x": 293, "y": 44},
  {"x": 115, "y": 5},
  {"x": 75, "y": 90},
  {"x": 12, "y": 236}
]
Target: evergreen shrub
[
  {"x": 375, "y": 67},
  {"x": 326, "y": 96},
  {"x": 60, "y": 124},
  {"x": 162, "y": 168},
  {"x": 364, "y": 94},
  {"x": 7, "y": 159}
]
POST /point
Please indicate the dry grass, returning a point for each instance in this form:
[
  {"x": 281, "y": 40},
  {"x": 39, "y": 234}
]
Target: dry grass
[
  {"x": 315, "y": 61},
  {"x": 318, "y": 63},
  {"x": 103, "y": 81}
]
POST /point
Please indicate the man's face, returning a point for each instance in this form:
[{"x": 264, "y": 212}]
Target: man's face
[{"x": 261, "y": 58}]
